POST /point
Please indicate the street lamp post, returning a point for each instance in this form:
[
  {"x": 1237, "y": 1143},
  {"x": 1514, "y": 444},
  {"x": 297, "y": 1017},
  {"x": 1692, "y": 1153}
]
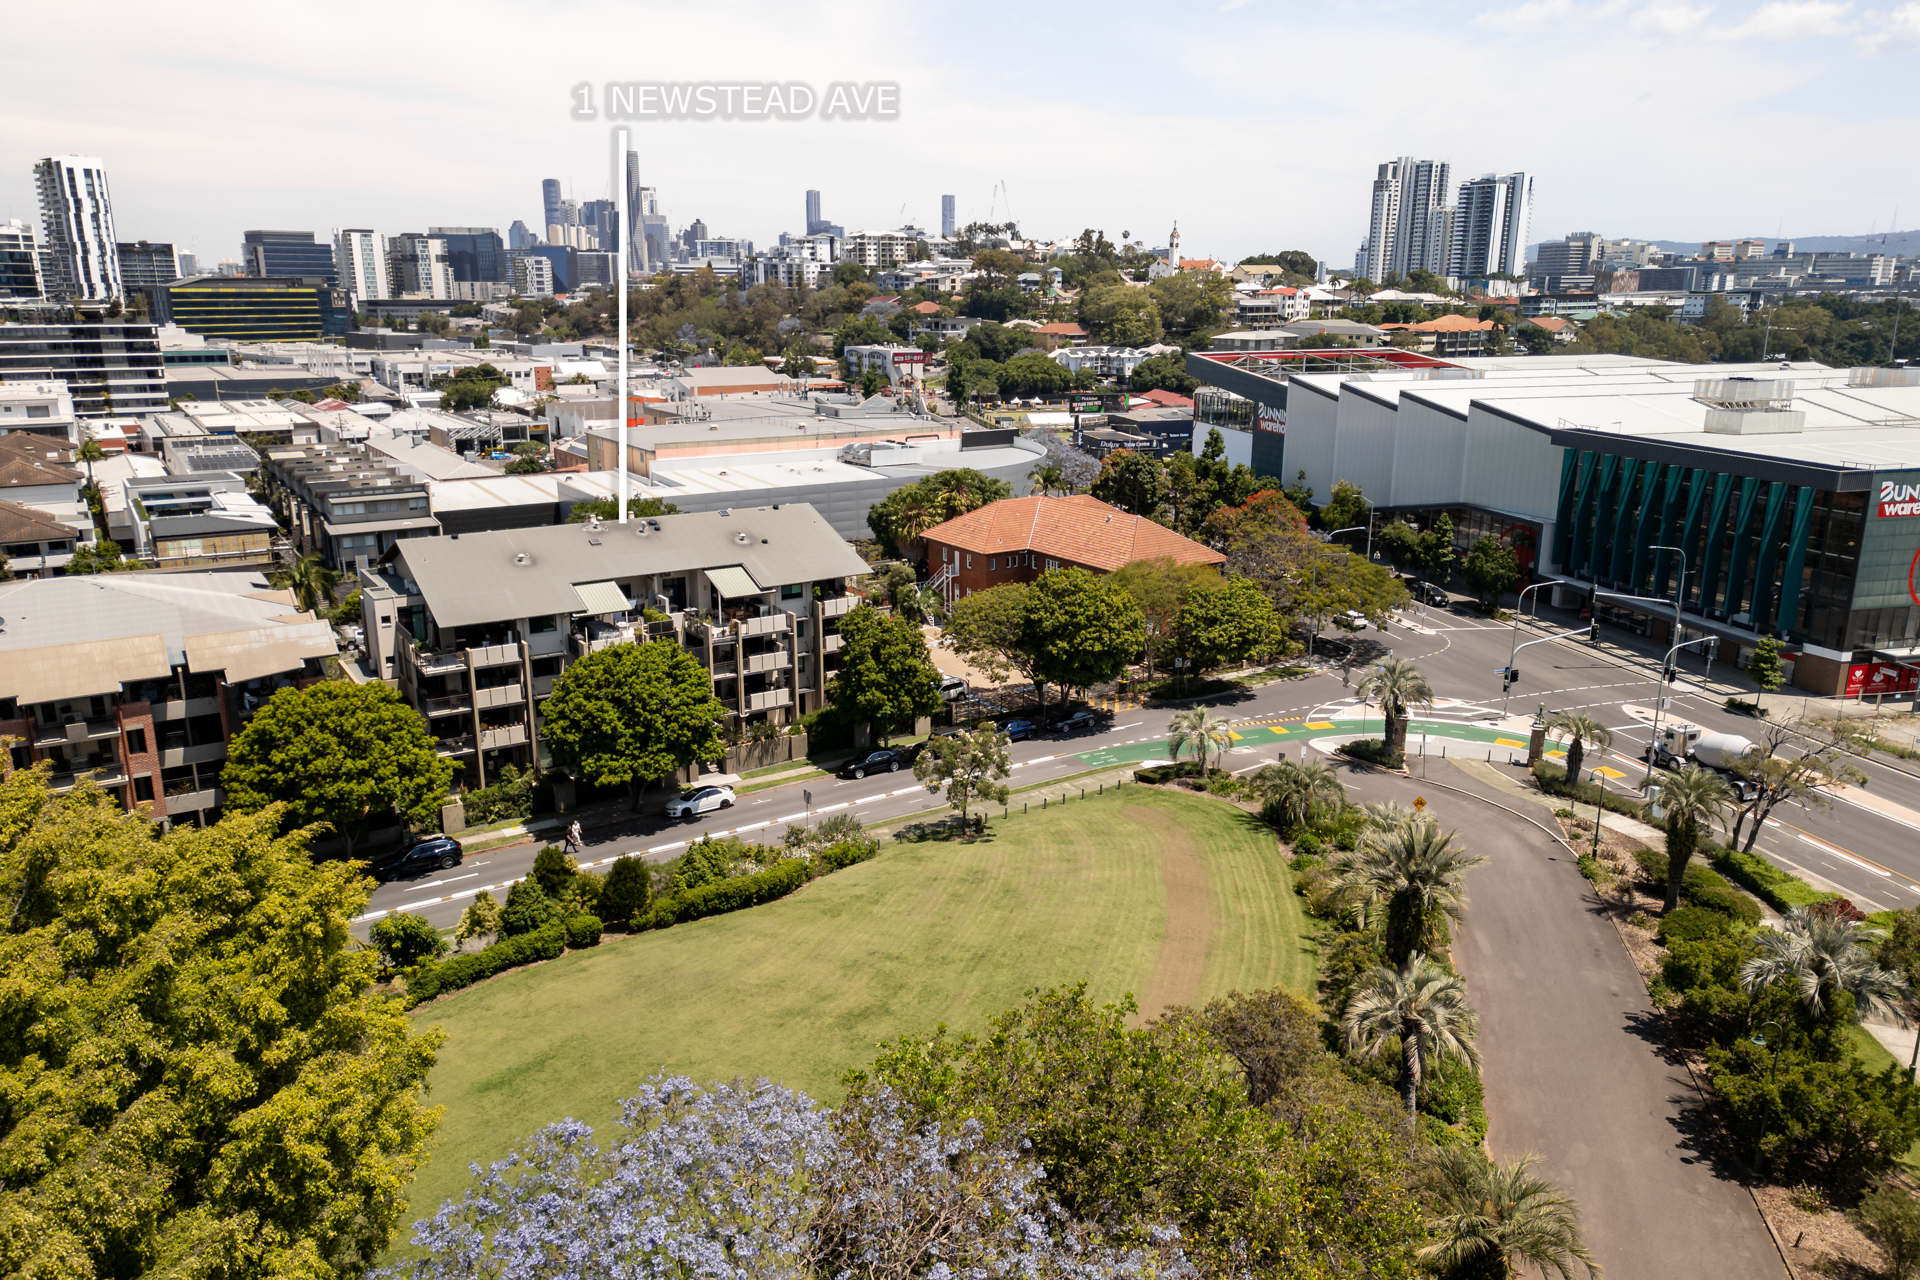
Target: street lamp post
[
  {"x": 1760, "y": 1038},
  {"x": 1660, "y": 676},
  {"x": 1599, "y": 780},
  {"x": 1513, "y": 647}
]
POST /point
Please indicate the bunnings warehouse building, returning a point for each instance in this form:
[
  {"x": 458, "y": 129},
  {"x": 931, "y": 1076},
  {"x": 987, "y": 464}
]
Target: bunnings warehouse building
[{"x": 1792, "y": 489}]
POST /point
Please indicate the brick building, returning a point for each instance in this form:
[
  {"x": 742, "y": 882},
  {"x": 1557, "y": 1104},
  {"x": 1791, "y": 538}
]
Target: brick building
[{"x": 1018, "y": 539}]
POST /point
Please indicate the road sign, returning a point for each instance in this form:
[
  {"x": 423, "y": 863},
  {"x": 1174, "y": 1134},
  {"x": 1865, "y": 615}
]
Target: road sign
[
  {"x": 1419, "y": 802},
  {"x": 807, "y": 798}
]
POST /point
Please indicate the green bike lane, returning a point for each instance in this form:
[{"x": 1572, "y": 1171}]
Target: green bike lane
[{"x": 1435, "y": 733}]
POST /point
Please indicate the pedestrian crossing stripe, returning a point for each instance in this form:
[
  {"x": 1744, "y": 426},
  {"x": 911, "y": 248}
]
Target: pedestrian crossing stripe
[
  {"x": 1508, "y": 742},
  {"x": 1319, "y": 724},
  {"x": 1233, "y": 735},
  {"x": 1605, "y": 772}
]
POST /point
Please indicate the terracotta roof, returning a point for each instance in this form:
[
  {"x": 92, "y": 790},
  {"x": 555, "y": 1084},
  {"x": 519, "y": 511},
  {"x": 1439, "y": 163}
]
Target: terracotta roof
[
  {"x": 1552, "y": 324},
  {"x": 1444, "y": 324},
  {"x": 17, "y": 471},
  {"x": 925, "y": 308},
  {"x": 24, "y": 524},
  {"x": 1168, "y": 398},
  {"x": 1065, "y": 329},
  {"x": 1079, "y": 529}
]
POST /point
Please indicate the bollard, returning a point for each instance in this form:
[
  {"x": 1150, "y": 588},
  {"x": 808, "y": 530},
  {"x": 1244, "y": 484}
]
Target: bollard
[
  {"x": 1083, "y": 793},
  {"x": 1023, "y": 806},
  {"x": 1043, "y": 802}
]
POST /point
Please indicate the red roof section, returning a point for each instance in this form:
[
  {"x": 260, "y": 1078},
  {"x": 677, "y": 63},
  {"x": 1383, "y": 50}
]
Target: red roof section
[
  {"x": 1168, "y": 398},
  {"x": 1080, "y": 529},
  {"x": 925, "y": 308},
  {"x": 1066, "y": 329}
]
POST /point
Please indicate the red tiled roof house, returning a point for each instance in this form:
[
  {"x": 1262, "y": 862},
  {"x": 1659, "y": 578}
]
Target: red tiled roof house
[{"x": 1018, "y": 539}]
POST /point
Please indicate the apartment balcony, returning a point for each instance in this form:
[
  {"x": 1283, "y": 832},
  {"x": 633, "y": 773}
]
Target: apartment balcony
[
  {"x": 547, "y": 643},
  {"x": 447, "y": 705},
  {"x": 776, "y": 623},
  {"x": 771, "y": 698},
  {"x": 59, "y": 735},
  {"x": 172, "y": 757},
  {"x": 777, "y": 660},
  {"x": 839, "y": 606},
  {"x": 106, "y": 775},
  {"x": 192, "y": 800},
  {"x": 183, "y": 708},
  {"x": 505, "y": 696},
  {"x": 440, "y": 663},
  {"x": 494, "y": 655},
  {"x": 722, "y": 669},
  {"x": 831, "y": 643},
  {"x": 507, "y": 735},
  {"x": 596, "y": 636},
  {"x": 460, "y": 746},
  {"x": 543, "y": 685}
]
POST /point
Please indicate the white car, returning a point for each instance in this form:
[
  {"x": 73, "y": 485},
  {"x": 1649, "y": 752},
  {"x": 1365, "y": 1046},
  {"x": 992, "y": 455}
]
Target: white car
[
  {"x": 701, "y": 800},
  {"x": 1353, "y": 620}
]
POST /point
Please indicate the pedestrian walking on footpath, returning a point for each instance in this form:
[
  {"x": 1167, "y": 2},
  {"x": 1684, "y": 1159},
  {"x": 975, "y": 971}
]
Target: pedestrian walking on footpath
[{"x": 573, "y": 837}]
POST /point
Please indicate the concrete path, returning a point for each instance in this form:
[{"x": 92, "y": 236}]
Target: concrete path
[{"x": 1573, "y": 1069}]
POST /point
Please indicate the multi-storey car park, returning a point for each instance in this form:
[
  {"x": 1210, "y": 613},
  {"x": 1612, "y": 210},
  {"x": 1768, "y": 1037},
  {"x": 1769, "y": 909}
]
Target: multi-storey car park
[{"x": 1791, "y": 491}]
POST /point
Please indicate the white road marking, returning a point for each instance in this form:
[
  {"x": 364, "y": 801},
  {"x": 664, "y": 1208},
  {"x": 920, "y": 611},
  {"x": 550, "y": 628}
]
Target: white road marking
[
  {"x": 1824, "y": 847},
  {"x": 1042, "y": 759},
  {"x": 1135, "y": 725},
  {"x": 755, "y": 827},
  {"x": 662, "y": 848},
  {"x": 830, "y": 808},
  {"x": 870, "y": 799},
  {"x": 790, "y": 817},
  {"x": 435, "y": 884}
]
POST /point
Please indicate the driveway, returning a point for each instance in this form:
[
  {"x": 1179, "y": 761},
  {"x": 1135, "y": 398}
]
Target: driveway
[{"x": 1571, "y": 1069}]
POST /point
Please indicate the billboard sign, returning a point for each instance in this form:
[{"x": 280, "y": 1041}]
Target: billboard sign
[
  {"x": 1269, "y": 418},
  {"x": 1897, "y": 499},
  {"x": 1866, "y": 679}
]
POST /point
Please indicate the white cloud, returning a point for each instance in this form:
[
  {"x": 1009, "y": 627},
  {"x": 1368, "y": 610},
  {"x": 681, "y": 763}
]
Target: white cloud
[
  {"x": 1895, "y": 30},
  {"x": 1796, "y": 20},
  {"x": 1535, "y": 15},
  {"x": 1670, "y": 19}
]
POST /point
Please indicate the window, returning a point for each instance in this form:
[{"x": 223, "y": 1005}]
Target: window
[
  {"x": 143, "y": 787},
  {"x": 136, "y": 742},
  {"x": 39, "y": 411},
  {"x": 1052, "y": 563},
  {"x": 543, "y": 625},
  {"x": 969, "y": 561},
  {"x": 992, "y": 565}
]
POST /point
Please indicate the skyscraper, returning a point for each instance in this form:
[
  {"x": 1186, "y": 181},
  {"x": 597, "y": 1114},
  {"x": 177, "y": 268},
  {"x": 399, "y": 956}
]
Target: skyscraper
[
  {"x": 813, "y": 210},
  {"x": 189, "y": 263},
  {"x": 143, "y": 263},
  {"x": 946, "y": 216},
  {"x": 19, "y": 263},
  {"x": 602, "y": 218},
  {"x": 79, "y": 257},
  {"x": 417, "y": 264},
  {"x": 636, "y": 244},
  {"x": 286, "y": 253},
  {"x": 550, "y": 201},
  {"x": 1490, "y": 227},
  {"x": 518, "y": 237},
  {"x": 1409, "y": 224},
  {"x": 473, "y": 253},
  {"x": 360, "y": 263}
]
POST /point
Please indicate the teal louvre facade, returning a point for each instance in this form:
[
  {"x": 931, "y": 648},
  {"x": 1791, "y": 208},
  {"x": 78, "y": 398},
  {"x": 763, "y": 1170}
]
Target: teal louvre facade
[{"x": 1766, "y": 556}]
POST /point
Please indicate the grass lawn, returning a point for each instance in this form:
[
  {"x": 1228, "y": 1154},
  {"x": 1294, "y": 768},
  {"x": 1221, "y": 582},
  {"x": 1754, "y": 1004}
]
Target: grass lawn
[{"x": 1173, "y": 897}]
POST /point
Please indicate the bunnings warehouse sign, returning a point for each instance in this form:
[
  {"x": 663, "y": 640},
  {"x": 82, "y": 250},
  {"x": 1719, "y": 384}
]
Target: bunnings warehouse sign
[{"x": 1897, "y": 499}]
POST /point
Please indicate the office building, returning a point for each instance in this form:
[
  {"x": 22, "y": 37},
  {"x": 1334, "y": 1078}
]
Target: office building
[
  {"x": 253, "y": 309},
  {"x": 532, "y": 274},
  {"x": 360, "y": 264},
  {"x": 601, "y": 220},
  {"x": 816, "y": 222},
  {"x": 1577, "y": 255},
  {"x": 285, "y": 254},
  {"x": 1490, "y": 227},
  {"x": 143, "y": 264},
  {"x": 473, "y": 253},
  {"x": 696, "y": 232},
  {"x": 112, "y": 369},
  {"x": 79, "y": 261},
  {"x": 592, "y": 266},
  {"x": 186, "y": 264},
  {"x": 137, "y": 682},
  {"x": 474, "y": 630},
  {"x": 417, "y": 266},
  {"x": 634, "y": 246},
  {"x": 519, "y": 236},
  {"x": 946, "y": 217},
  {"x": 1407, "y": 229},
  {"x": 551, "y": 203},
  {"x": 19, "y": 263}
]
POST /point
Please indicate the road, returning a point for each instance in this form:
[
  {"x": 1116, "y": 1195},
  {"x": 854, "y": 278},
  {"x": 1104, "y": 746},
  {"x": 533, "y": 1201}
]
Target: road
[
  {"x": 1571, "y": 1071},
  {"x": 1869, "y": 854}
]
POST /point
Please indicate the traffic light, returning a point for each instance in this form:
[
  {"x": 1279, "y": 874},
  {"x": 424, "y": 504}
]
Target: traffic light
[
  {"x": 1669, "y": 674},
  {"x": 1593, "y": 632}
]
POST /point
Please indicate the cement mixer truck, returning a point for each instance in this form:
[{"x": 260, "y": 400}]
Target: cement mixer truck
[{"x": 1678, "y": 743}]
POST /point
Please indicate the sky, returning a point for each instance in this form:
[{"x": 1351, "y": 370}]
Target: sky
[{"x": 1257, "y": 125}]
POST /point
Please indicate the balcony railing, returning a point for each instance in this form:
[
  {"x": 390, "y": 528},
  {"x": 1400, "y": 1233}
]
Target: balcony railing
[
  {"x": 771, "y": 698},
  {"x": 831, "y": 643},
  {"x": 54, "y": 735},
  {"x": 106, "y": 775},
  {"x": 508, "y": 735},
  {"x": 494, "y": 655},
  {"x": 774, "y": 661},
  {"x": 445, "y": 706},
  {"x": 839, "y": 606},
  {"x": 725, "y": 669},
  {"x": 773, "y": 623},
  {"x": 460, "y": 746},
  {"x": 504, "y": 696},
  {"x": 441, "y": 662}
]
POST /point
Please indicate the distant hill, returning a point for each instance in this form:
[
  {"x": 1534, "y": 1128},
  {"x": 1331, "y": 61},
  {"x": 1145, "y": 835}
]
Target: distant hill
[{"x": 1898, "y": 242}]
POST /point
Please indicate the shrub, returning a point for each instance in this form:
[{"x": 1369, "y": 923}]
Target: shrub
[
  {"x": 1890, "y": 1217},
  {"x": 465, "y": 970},
  {"x": 1701, "y": 887},
  {"x": 709, "y": 861},
  {"x": 1175, "y": 772},
  {"x": 1307, "y": 845},
  {"x": 1563, "y": 813},
  {"x": 528, "y": 909},
  {"x": 1746, "y": 708},
  {"x": 1552, "y": 779},
  {"x": 1590, "y": 867},
  {"x": 1837, "y": 1120},
  {"x": 404, "y": 940},
  {"x": 1691, "y": 924},
  {"x": 723, "y": 896},
  {"x": 844, "y": 853},
  {"x": 552, "y": 869},
  {"x": 628, "y": 891},
  {"x": 1763, "y": 880},
  {"x": 515, "y": 795},
  {"x": 1452, "y": 1094},
  {"x": 583, "y": 931},
  {"x": 1373, "y": 751}
]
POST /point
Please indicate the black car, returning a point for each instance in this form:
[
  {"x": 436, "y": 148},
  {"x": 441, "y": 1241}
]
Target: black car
[
  {"x": 1427, "y": 593},
  {"x": 885, "y": 760},
  {"x": 439, "y": 853},
  {"x": 1079, "y": 722}
]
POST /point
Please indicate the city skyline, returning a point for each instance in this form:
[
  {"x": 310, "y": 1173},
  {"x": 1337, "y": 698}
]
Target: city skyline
[{"x": 1813, "y": 70}]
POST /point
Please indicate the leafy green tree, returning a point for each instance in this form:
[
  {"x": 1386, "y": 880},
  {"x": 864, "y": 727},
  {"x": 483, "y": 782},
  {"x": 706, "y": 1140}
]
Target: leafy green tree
[
  {"x": 1399, "y": 542},
  {"x": 200, "y": 1076},
  {"x": 1226, "y": 623},
  {"x": 1688, "y": 798},
  {"x": 1121, "y": 315},
  {"x": 554, "y": 871},
  {"x": 404, "y": 940},
  {"x": 468, "y": 388},
  {"x": 1491, "y": 569},
  {"x": 1081, "y": 628},
  {"x": 1499, "y": 1220},
  {"x": 1418, "y": 1008},
  {"x": 1579, "y": 729},
  {"x": 872, "y": 381},
  {"x": 1329, "y": 582},
  {"x": 1131, "y": 481},
  {"x": 1807, "y": 777},
  {"x": 1163, "y": 373},
  {"x": 1764, "y": 668},
  {"x": 1409, "y": 874},
  {"x": 799, "y": 359},
  {"x": 885, "y": 676},
  {"x": 628, "y": 891},
  {"x": 902, "y": 516},
  {"x": 860, "y": 331},
  {"x": 352, "y": 756},
  {"x": 1192, "y": 300},
  {"x": 528, "y": 908},
  {"x": 1436, "y": 549},
  {"x": 1202, "y": 731},
  {"x": 1032, "y": 374},
  {"x": 607, "y": 508},
  {"x": 1346, "y": 507},
  {"x": 970, "y": 765},
  {"x": 481, "y": 919},
  {"x": 103, "y": 556},
  {"x": 1160, "y": 588},
  {"x": 1831, "y": 1121},
  {"x": 1400, "y": 687},
  {"x": 634, "y": 713},
  {"x": 988, "y": 630}
]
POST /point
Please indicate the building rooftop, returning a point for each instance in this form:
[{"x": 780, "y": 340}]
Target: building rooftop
[
  {"x": 1078, "y": 528},
  {"x": 29, "y": 524}
]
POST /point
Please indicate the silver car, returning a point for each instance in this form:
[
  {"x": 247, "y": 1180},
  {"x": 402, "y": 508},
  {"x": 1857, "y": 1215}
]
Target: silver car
[{"x": 701, "y": 800}]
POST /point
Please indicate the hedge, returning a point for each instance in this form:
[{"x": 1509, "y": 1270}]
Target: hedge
[
  {"x": 1763, "y": 880},
  {"x": 1700, "y": 887},
  {"x": 464, "y": 970},
  {"x": 1174, "y": 772},
  {"x": 583, "y": 931},
  {"x": 1691, "y": 924},
  {"x": 1553, "y": 780},
  {"x": 723, "y": 896},
  {"x": 844, "y": 853},
  {"x": 1373, "y": 751}
]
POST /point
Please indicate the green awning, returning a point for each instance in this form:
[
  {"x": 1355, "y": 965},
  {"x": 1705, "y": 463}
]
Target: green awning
[
  {"x": 733, "y": 582},
  {"x": 600, "y": 598}
]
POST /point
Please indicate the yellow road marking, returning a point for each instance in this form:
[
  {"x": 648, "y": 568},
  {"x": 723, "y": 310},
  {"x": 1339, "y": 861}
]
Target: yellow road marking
[
  {"x": 1508, "y": 742},
  {"x": 1320, "y": 724}
]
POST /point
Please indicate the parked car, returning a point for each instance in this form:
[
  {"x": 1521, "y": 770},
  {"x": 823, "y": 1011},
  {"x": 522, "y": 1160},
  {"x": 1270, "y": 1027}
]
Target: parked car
[
  {"x": 885, "y": 760},
  {"x": 1427, "y": 593},
  {"x": 1351, "y": 620},
  {"x": 953, "y": 688},
  {"x": 440, "y": 853},
  {"x": 1019, "y": 730},
  {"x": 1079, "y": 722},
  {"x": 691, "y": 804}
]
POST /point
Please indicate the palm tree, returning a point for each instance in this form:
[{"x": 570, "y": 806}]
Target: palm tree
[
  {"x": 1047, "y": 477},
  {"x": 1687, "y": 799},
  {"x": 1411, "y": 869},
  {"x": 1399, "y": 686},
  {"x": 1824, "y": 954},
  {"x": 90, "y": 452},
  {"x": 1296, "y": 787},
  {"x": 1578, "y": 729},
  {"x": 311, "y": 581},
  {"x": 1421, "y": 1005},
  {"x": 1499, "y": 1219},
  {"x": 1201, "y": 730}
]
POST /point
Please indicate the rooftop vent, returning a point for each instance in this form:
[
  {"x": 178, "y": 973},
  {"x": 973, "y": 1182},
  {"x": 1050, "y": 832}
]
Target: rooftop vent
[
  {"x": 1749, "y": 406},
  {"x": 742, "y": 539},
  {"x": 1883, "y": 377},
  {"x": 521, "y": 557}
]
